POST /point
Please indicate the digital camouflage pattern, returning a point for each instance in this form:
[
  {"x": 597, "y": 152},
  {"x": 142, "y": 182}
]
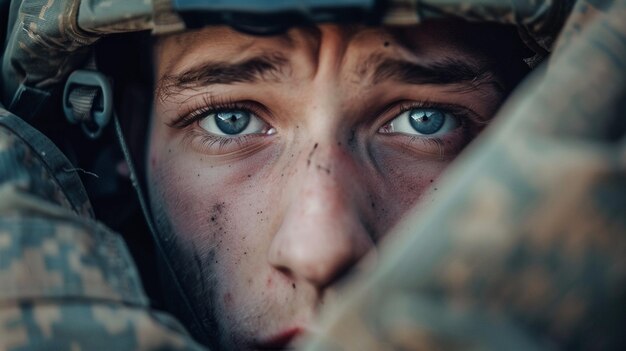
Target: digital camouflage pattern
[
  {"x": 66, "y": 282},
  {"x": 524, "y": 247}
]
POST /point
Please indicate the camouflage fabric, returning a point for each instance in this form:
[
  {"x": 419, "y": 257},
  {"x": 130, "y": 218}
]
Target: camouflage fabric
[
  {"x": 525, "y": 249},
  {"x": 66, "y": 282}
]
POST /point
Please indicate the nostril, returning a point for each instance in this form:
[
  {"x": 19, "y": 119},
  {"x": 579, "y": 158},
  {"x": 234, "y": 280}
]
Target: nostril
[
  {"x": 339, "y": 275},
  {"x": 285, "y": 271}
]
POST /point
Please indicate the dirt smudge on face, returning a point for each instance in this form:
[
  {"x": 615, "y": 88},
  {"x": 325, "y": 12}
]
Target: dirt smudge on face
[
  {"x": 308, "y": 161},
  {"x": 322, "y": 168},
  {"x": 217, "y": 213}
]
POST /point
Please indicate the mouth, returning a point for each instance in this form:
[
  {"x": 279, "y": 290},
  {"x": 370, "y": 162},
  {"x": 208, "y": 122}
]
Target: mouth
[{"x": 280, "y": 340}]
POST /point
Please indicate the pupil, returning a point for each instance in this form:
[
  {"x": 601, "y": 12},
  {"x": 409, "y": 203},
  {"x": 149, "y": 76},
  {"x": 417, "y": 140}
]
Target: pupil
[
  {"x": 232, "y": 121},
  {"x": 426, "y": 121}
]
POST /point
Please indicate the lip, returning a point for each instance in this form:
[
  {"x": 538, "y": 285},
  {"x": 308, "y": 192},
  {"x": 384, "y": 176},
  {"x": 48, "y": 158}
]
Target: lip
[{"x": 280, "y": 340}]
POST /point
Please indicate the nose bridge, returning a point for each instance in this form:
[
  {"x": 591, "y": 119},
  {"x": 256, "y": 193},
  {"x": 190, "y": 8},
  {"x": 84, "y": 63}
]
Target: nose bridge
[
  {"x": 330, "y": 182},
  {"x": 322, "y": 233}
]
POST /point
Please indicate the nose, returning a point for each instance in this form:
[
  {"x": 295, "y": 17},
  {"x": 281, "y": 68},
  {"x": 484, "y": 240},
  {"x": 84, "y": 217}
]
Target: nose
[{"x": 323, "y": 232}]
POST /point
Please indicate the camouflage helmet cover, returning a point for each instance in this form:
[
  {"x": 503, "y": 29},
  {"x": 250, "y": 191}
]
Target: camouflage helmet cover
[{"x": 47, "y": 40}]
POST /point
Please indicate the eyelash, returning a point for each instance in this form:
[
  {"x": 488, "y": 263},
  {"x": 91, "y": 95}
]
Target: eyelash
[
  {"x": 470, "y": 124},
  {"x": 211, "y": 104},
  {"x": 464, "y": 114}
]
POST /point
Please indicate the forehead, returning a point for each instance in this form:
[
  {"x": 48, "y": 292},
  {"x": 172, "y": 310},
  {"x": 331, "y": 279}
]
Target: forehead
[{"x": 425, "y": 42}]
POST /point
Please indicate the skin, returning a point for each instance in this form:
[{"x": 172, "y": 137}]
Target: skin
[{"x": 259, "y": 229}]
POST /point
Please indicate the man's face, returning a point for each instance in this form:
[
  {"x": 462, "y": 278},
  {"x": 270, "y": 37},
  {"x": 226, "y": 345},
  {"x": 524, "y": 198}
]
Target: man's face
[{"x": 275, "y": 163}]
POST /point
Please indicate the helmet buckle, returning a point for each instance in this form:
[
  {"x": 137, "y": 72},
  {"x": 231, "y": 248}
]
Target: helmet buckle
[{"x": 88, "y": 100}]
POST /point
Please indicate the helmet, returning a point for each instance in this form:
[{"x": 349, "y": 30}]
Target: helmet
[{"x": 47, "y": 41}]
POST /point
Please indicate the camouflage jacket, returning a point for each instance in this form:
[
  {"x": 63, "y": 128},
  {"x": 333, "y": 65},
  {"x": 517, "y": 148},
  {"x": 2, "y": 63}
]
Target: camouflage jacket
[
  {"x": 66, "y": 281},
  {"x": 524, "y": 249}
]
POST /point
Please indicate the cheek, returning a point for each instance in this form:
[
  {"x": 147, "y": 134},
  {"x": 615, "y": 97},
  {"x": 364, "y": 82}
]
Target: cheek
[
  {"x": 219, "y": 208},
  {"x": 406, "y": 180},
  {"x": 219, "y": 219},
  {"x": 209, "y": 206}
]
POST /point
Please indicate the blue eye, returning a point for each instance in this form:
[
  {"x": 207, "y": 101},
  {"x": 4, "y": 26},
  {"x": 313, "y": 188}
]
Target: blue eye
[
  {"x": 422, "y": 121},
  {"x": 426, "y": 121},
  {"x": 233, "y": 122}
]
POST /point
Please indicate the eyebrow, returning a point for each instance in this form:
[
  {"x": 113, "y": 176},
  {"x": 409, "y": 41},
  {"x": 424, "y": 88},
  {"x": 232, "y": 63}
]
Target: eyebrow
[
  {"x": 444, "y": 71},
  {"x": 258, "y": 68},
  {"x": 271, "y": 67}
]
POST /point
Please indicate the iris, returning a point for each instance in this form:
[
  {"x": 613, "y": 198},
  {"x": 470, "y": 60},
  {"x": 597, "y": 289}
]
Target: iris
[
  {"x": 232, "y": 121},
  {"x": 427, "y": 121}
]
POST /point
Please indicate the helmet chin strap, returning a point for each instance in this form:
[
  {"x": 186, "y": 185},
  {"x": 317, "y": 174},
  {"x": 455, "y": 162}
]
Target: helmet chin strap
[
  {"x": 88, "y": 100},
  {"x": 196, "y": 327}
]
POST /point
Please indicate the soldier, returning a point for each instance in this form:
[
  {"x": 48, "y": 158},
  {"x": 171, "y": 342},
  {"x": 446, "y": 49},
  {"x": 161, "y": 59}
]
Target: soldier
[{"x": 260, "y": 199}]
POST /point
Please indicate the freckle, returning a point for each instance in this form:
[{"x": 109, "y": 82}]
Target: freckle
[
  {"x": 373, "y": 205},
  {"x": 293, "y": 285},
  {"x": 198, "y": 174},
  {"x": 249, "y": 175},
  {"x": 249, "y": 281},
  {"x": 431, "y": 180},
  {"x": 245, "y": 253},
  {"x": 216, "y": 261},
  {"x": 169, "y": 151},
  {"x": 435, "y": 189},
  {"x": 269, "y": 282}
]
